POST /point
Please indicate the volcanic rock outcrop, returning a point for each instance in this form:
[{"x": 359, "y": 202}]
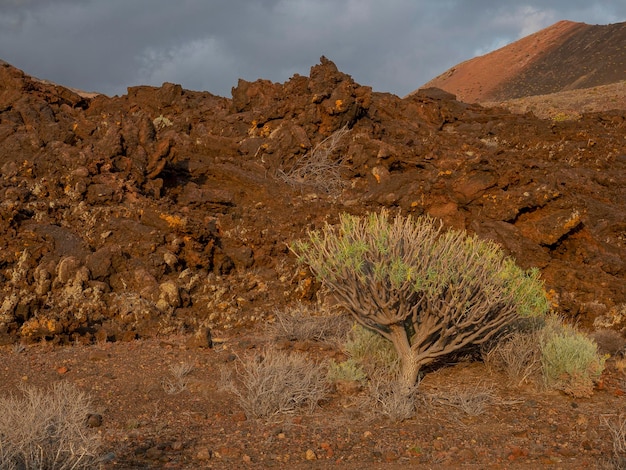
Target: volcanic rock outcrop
[{"x": 169, "y": 210}]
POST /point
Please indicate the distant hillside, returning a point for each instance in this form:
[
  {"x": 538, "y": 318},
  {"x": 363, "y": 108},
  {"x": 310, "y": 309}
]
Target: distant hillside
[{"x": 564, "y": 56}]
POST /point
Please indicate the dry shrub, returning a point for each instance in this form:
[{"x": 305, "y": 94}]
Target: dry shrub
[
  {"x": 177, "y": 379},
  {"x": 47, "y": 430},
  {"x": 317, "y": 169},
  {"x": 390, "y": 398},
  {"x": 617, "y": 428},
  {"x": 301, "y": 323},
  {"x": 473, "y": 400},
  {"x": 276, "y": 382},
  {"x": 519, "y": 357}
]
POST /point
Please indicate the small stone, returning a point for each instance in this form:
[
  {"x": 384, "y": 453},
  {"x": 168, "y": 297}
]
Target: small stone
[
  {"x": 203, "y": 453},
  {"x": 310, "y": 455},
  {"x": 302, "y": 346},
  {"x": 283, "y": 344},
  {"x": 348, "y": 387},
  {"x": 200, "y": 339},
  {"x": 177, "y": 446},
  {"x": 438, "y": 444},
  {"x": 94, "y": 420},
  {"x": 246, "y": 458},
  {"x": 129, "y": 336},
  {"x": 390, "y": 456},
  {"x": 154, "y": 453}
]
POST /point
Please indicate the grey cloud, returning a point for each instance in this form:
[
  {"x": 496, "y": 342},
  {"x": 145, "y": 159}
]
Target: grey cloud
[{"x": 394, "y": 46}]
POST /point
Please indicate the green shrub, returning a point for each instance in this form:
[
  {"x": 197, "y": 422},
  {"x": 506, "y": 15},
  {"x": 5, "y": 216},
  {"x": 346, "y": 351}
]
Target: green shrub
[
  {"x": 429, "y": 292},
  {"x": 368, "y": 353},
  {"x": 569, "y": 359},
  {"x": 373, "y": 351},
  {"x": 348, "y": 370}
]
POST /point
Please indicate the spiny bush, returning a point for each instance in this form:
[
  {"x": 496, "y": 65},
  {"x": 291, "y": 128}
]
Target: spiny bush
[
  {"x": 47, "y": 430},
  {"x": 569, "y": 359},
  {"x": 428, "y": 291}
]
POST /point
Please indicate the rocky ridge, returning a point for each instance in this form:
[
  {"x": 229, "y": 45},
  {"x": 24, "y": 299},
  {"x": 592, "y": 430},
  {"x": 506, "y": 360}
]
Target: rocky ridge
[
  {"x": 563, "y": 57},
  {"x": 169, "y": 210}
]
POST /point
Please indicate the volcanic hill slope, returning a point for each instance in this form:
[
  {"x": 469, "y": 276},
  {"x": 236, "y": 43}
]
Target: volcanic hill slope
[
  {"x": 169, "y": 209},
  {"x": 565, "y": 56}
]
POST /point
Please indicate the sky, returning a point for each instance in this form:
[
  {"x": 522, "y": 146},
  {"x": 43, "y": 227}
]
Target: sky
[{"x": 207, "y": 45}]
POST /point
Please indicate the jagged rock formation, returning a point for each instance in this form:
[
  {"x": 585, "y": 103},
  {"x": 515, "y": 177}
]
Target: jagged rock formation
[{"x": 171, "y": 210}]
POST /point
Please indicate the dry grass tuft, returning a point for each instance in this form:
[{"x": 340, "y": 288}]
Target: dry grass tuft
[
  {"x": 519, "y": 357},
  {"x": 390, "y": 398},
  {"x": 301, "y": 323},
  {"x": 617, "y": 428},
  {"x": 277, "y": 382},
  {"x": 177, "y": 380},
  {"x": 47, "y": 430},
  {"x": 317, "y": 170},
  {"x": 472, "y": 401}
]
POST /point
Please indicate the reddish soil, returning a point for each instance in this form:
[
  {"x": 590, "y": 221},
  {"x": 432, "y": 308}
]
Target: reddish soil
[
  {"x": 134, "y": 227},
  {"x": 519, "y": 426}
]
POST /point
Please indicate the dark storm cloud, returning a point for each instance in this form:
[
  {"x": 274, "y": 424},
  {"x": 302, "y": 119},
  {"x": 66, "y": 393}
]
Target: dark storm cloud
[{"x": 392, "y": 45}]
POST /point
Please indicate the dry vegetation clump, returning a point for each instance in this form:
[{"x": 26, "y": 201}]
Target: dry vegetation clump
[
  {"x": 472, "y": 400},
  {"x": 518, "y": 356},
  {"x": 302, "y": 323},
  {"x": 177, "y": 380},
  {"x": 46, "y": 429},
  {"x": 389, "y": 398},
  {"x": 277, "y": 382},
  {"x": 617, "y": 428},
  {"x": 317, "y": 170},
  {"x": 560, "y": 355}
]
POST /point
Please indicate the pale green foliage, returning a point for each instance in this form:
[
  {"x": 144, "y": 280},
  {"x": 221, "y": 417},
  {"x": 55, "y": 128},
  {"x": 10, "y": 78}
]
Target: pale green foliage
[
  {"x": 569, "y": 359},
  {"x": 371, "y": 350},
  {"x": 350, "y": 370},
  {"x": 428, "y": 291},
  {"x": 368, "y": 353}
]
